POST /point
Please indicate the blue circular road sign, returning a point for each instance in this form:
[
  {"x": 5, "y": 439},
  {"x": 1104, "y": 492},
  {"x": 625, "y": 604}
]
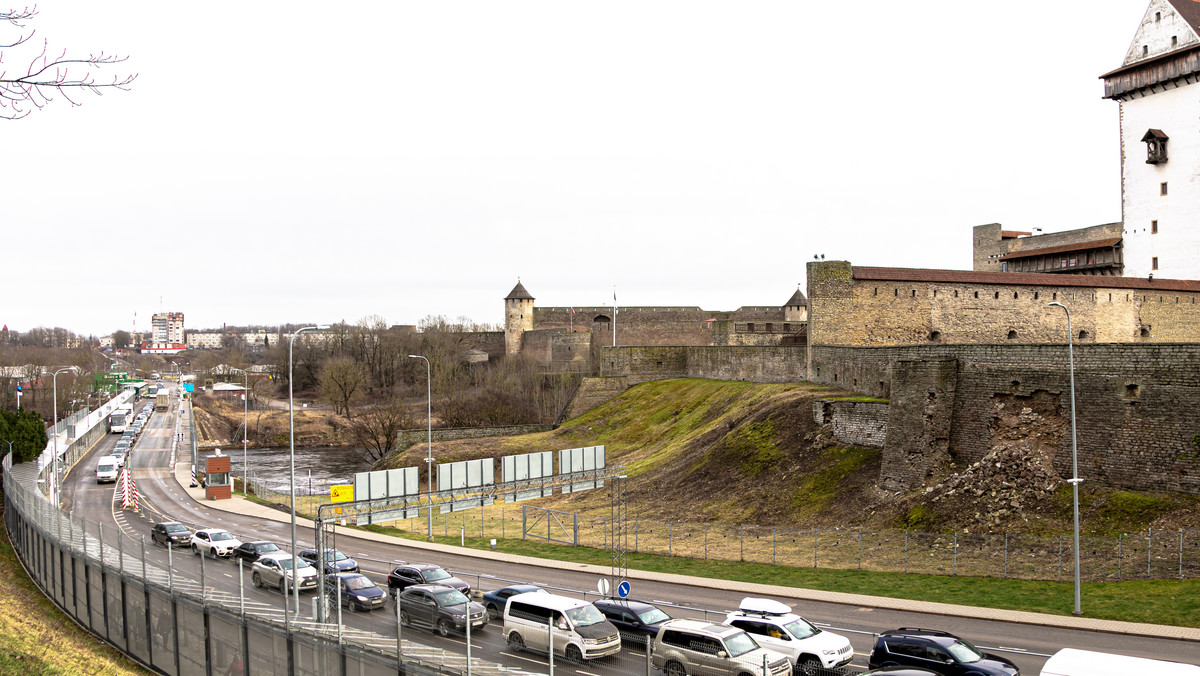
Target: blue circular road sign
[{"x": 623, "y": 589}]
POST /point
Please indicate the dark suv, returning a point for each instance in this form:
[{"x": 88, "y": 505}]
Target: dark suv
[
  {"x": 405, "y": 575},
  {"x": 937, "y": 651}
]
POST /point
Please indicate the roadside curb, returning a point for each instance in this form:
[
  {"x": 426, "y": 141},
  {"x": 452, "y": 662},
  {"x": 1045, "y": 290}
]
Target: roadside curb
[{"x": 240, "y": 505}]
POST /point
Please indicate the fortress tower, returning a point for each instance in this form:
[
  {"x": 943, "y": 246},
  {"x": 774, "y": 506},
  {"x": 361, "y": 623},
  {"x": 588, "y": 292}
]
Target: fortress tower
[
  {"x": 518, "y": 318},
  {"x": 796, "y": 309},
  {"x": 1158, "y": 90}
]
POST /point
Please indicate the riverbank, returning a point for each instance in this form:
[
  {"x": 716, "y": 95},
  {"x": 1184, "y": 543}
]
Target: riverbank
[{"x": 219, "y": 423}]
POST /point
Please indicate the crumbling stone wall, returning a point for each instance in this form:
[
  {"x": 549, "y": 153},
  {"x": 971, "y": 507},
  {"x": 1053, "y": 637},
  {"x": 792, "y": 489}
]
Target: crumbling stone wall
[
  {"x": 857, "y": 423},
  {"x": 919, "y": 422}
]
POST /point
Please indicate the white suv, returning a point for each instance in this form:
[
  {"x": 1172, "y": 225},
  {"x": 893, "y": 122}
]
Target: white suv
[
  {"x": 214, "y": 541},
  {"x": 773, "y": 625}
]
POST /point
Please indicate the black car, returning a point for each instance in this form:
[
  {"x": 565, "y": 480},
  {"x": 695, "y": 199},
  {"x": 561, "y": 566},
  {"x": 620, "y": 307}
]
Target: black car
[
  {"x": 250, "y": 551},
  {"x": 408, "y": 574},
  {"x": 938, "y": 651},
  {"x": 899, "y": 671},
  {"x": 335, "y": 561},
  {"x": 358, "y": 592},
  {"x": 638, "y": 622},
  {"x": 442, "y": 608},
  {"x": 171, "y": 531}
]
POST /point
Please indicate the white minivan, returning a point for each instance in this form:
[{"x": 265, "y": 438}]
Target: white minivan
[
  {"x": 1072, "y": 662},
  {"x": 580, "y": 630},
  {"x": 106, "y": 469}
]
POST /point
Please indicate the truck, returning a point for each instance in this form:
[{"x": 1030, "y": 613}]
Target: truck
[
  {"x": 162, "y": 401},
  {"x": 1073, "y": 662}
]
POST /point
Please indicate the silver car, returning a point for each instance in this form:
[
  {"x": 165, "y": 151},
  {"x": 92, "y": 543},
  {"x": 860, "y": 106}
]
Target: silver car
[{"x": 276, "y": 570}]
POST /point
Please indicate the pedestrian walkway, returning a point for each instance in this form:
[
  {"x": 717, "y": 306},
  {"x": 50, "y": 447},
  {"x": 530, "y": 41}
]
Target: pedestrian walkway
[{"x": 240, "y": 505}]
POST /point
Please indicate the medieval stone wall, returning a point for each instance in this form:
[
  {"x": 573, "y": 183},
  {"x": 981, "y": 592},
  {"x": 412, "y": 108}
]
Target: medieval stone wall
[
  {"x": 776, "y": 364},
  {"x": 859, "y": 423}
]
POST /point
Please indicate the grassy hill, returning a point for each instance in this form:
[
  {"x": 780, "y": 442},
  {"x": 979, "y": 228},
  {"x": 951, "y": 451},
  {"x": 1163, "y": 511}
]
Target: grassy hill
[{"x": 736, "y": 452}]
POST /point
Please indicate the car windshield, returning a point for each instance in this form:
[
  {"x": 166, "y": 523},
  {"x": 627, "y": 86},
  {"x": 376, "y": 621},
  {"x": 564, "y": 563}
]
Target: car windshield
[
  {"x": 800, "y": 628},
  {"x": 175, "y": 528},
  {"x": 451, "y": 598},
  {"x": 740, "y": 644},
  {"x": 287, "y": 564},
  {"x": 266, "y": 547},
  {"x": 359, "y": 582},
  {"x": 221, "y": 536},
  {"x": 435, "y": 574},
  {"x": 334, "y": 555},
  {"x": 964, "y": 652},
  {"x": 653, "y": 616},
  {"x": 585, "y": 615},
  {"x": 105, "y": 468}
]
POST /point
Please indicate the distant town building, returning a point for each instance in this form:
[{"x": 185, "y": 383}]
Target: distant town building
[{"x": 167, "y": 327}]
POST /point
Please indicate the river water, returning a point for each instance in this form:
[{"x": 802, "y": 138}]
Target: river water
[{"x": 317, "y": 468}]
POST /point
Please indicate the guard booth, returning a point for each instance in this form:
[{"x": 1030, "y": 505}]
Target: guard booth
[{"x": 217, "y": 482}]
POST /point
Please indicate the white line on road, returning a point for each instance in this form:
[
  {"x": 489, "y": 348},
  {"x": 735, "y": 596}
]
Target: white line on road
[{"x": 522, "y": 657}]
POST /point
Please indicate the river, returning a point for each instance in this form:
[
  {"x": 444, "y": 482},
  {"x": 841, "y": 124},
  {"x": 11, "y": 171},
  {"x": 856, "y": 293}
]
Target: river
[{"x": 316, "y": 468}]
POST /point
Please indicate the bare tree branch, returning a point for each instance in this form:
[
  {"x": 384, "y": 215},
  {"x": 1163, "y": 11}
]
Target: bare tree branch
[{"x": 47, "y": 77}]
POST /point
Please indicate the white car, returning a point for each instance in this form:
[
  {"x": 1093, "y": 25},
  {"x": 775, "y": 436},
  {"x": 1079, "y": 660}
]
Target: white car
[
  {"x": 106, "y": 469},
  {"x": 810, "y": 650},
  {"x": 275, "y": 569},
  {"x": 215, "y": 542}
]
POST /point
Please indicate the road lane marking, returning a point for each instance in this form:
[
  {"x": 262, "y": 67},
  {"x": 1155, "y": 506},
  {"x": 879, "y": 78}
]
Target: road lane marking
[{"x": 522, "y": 657}]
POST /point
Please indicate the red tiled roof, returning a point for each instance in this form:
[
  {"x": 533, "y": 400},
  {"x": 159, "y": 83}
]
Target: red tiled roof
[
  {"x": 1013, "y": 234},
  {"x": 1022, "y": 279},
  {"x": 1082, "y": 246}
]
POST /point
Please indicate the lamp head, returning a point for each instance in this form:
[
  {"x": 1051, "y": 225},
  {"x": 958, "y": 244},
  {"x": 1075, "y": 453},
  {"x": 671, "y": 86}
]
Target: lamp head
[
  {"x": 415, "y": 356},
  {"x": 1057, "y": 304}
]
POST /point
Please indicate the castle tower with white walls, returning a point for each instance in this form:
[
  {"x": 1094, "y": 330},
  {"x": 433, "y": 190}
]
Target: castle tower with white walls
[
  {"x": 796, "y": 309},
  {"x": 1158, "y": 90},
  {"x": 518, "y": 318}
]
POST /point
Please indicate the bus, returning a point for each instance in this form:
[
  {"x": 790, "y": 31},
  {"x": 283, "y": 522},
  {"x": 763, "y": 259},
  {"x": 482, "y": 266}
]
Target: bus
[
  {"x": 120, "y": 419},
  {"x": 151, "y": 390}
]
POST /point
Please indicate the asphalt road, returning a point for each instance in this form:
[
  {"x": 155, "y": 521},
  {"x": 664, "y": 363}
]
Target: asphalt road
[{"x": 161, "y": 498}]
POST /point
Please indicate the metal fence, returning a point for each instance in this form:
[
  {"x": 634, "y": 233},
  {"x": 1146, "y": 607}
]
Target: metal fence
[
  {"x": 100, "y": 576},
  {"x": 1152, "y": 554}
]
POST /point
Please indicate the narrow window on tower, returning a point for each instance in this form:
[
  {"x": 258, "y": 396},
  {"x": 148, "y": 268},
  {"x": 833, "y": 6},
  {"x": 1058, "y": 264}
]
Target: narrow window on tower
[
  {"x": 1154, "y": 263},
  {"x": 1145, "y": 50},
  {"x": 1153, "y": 227},
  {"x": 1174, "y": 40},
  {"x": 1162, "y": 188}
]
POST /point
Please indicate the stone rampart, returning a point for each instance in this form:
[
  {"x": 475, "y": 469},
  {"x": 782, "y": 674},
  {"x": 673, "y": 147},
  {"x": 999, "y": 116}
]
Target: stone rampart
[
  {"x": 761, "y": 364},
  {"x": 858, "y": 423}
]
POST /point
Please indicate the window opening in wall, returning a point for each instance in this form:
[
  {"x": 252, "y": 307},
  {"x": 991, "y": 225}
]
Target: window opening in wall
[
  {"x": 976, "y": 294},
  {"x": 1174, "y": 40},
  {"x": 1083, "y": 335},
  {"x": 856, "y": 382},
  {"x": 895, "y": 292},
  {"x": 1154, "y": 263},
  {"x": 1145, "y": 332},
  {"x": 1055, "y": 296},
  {"x": 1035, "y": 295},
  {"x": 935, "y": 293},
  {"x": 997, "y": 295},
  {"x": 1162, "y": 188},
  {"x": 935, "y": 335},
  {"x": 1132, "y": 391},
  {"x": 750, "y": 327},
  {"x": 1012, "y": 335},
  {"x": 1110, "y": 297},
  {"x": 877, "y": 291},
  {"x": 770, "y": 328},
  {"x": 787, "y": 328},
  {"x": 1014, "y": 295},
  {"x": 1153, "y": 227},
  {"x": 835, "y": 377},
  {"x": 1145, "y": 49},
  {"x": 914, "y": 294},
  {"x": 658, "y": 364},
  {"x": 1157, "y": 17},
  {"x": 1015, "y": 383},
  {"x": 956, "y": 294}
]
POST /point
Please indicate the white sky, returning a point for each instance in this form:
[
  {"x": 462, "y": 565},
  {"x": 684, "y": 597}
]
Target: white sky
[{"x": 296, "y": 161}]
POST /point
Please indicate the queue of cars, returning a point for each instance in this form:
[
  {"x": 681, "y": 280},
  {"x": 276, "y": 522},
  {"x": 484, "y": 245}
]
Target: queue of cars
[
  {"x": 109, "y": 466},
  {"x": 761, "y": 636}
]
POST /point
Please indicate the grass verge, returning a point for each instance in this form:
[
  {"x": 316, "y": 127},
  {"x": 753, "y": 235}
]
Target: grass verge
[{"x": 1169, "y": 602}]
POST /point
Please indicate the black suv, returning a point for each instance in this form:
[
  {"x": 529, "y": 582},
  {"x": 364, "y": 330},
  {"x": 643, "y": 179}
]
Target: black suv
[
  {"x": 171, "y": 531},
  {"x": 405, "y": 575},
  {"x": 938, "y": 651}
]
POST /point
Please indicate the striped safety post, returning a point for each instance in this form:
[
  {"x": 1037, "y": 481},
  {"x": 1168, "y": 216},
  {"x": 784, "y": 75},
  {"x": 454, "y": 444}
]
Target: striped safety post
[{"x": 194, "y": 484}]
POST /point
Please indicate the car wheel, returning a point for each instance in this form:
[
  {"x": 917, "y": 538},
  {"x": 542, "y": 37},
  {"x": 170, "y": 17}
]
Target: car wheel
[
  {"x": 405, "y": 619},
  {"x": 515, "y": 642},
  {"x": 493, "y": 611},
  {"x": 573, "y": 654},
  {"x": 256, "y": 580},
  {"x": 444, "y": 627},
  {"x": 675, "y": 669},
  {"x": 809, "y": 666},
  {"x": 196, "y": 551}
]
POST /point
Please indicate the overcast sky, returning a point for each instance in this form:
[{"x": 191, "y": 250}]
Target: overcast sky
[{"x": 293, "y": 161}]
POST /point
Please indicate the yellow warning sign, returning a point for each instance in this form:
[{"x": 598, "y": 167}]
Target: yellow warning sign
[{"x": 341, "y": 493}]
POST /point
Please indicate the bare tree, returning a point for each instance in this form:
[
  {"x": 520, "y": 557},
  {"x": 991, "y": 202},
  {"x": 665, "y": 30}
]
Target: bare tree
[
  {"x": 377, "y": 427},
  {"x": 342, "y": 381},
  {"x": 49, "y": 76}
]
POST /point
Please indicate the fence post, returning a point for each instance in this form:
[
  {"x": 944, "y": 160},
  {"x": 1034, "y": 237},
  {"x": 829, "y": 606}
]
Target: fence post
[
  {"x": 523, "y": 524},
  {"x": 1060, "y": 558},
  {"x": 1119, "y": 535},
  {"x": 905, "y": 550},
  {"x": 1149, "y": 547},
  {"x": 635, "y": 536},
  {"x": 706, "y": 542},
  {"x": 1006, "y": 556},
  {"x": 576, "y": 536},
  {"x": 774, "y": 534},
  {"x": 955, "y": 553},
  {"x": 669, "y": 543},
  {"x": 741, "y": 542},
  {"x": 860, "y": 549},
  {"x": 1180, "y": 554},
  {"x": 814, "y": 548}
]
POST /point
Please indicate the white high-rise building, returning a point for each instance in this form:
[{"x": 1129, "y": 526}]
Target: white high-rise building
[
  {"x": 1158, "y": 90},
  {"x": 167, "y": 328}
]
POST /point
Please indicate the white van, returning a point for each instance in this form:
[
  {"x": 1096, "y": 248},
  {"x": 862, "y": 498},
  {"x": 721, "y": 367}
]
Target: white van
[
  {"x": 1072, "y": 662},
  {"x": 580, "y": 630},
  {"x": 106, "y": 469}
]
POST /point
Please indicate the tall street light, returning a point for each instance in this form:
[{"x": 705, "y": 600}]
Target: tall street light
[
  {"x": 429, "y": 445},
  {"x": 292, "y": 460},
  {"x": 245, "y": 423},
  {"x": 55, "y": 468},
  {"x": 1074, "y": 480}
]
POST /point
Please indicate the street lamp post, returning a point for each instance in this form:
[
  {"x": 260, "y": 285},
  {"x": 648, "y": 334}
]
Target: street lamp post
[
  {"x": 55, "y": 468},
  {"x": 1075, "y": 480},
  {"x": 429, "y": 444},
  {"x": 292, "y": 465}
]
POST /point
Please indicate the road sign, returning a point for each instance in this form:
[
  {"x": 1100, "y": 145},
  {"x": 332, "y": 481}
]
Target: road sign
[
  {"x": 603, "y": 586},
  {"x": 341, "y": 493},
  {"x": 622, "y": 589}
]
